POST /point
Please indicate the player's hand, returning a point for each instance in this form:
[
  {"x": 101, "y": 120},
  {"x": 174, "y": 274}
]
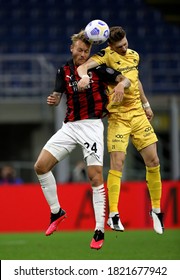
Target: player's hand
[
  {"x": 149, "y": 113},
  {"x": 53, "y": 100},
  {"x": 83, "y": 82},
  {"x": 118, "y": 93}
]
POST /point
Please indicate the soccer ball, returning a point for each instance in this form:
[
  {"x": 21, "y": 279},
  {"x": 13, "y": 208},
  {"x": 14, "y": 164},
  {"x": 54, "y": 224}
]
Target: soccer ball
[{"x": 97, "y": 31}]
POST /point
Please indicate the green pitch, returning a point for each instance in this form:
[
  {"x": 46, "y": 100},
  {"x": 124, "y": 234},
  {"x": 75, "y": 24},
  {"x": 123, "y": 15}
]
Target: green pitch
[{"x": 74, "y": 245}]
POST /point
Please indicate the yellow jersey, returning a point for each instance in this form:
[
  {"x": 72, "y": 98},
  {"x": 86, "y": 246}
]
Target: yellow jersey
[{"x": 128, "y": 66}]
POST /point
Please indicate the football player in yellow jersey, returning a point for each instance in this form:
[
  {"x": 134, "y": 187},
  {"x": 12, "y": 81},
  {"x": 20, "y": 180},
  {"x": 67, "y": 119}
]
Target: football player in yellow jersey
[{"x": 129, "y": 118}]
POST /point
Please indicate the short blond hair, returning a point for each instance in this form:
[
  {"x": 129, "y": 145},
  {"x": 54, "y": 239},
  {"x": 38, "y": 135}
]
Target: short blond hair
[{"x": 80, "y": 36}]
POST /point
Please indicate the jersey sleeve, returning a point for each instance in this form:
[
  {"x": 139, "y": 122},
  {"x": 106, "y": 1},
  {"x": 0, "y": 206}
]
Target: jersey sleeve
[
  {"x": 100, "y": 57},
  {"x": 106, "y": 74},
  {"x": 60, "y": 81}
]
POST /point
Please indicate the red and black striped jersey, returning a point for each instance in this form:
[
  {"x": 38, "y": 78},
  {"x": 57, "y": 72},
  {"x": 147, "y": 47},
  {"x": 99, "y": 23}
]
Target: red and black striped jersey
[{"x": 90, "y": 103}]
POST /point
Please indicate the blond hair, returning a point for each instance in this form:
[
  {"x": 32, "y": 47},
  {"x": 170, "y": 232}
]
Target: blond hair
[{"x": 80, "y": 36}]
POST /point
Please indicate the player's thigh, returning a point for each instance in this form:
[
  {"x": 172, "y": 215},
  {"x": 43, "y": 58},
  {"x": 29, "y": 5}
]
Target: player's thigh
[
  {"x": 143, "y": 133},
  {"x": 61, "y": 143},
  {"x": 118, "y": 136}
]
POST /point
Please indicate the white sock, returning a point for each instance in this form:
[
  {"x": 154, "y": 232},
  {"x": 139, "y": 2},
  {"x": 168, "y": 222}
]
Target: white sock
[
  {"x": 49, "y": 188},
  {"x": 99, "y": 205}
]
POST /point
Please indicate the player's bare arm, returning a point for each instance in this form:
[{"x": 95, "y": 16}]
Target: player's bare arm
[
  {"x": 82, "y": 72},
  {"x": 118, "y": 91},
  {"x": 145, "y": 103},
  {"x": 54, "y": 99}
]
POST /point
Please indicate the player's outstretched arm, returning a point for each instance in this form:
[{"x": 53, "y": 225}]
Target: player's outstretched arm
[{"x": 82, "y": 72}]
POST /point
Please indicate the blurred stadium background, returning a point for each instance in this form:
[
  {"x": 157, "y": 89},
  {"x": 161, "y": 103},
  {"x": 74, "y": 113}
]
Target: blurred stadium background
[{"x": 35, "y": 39}]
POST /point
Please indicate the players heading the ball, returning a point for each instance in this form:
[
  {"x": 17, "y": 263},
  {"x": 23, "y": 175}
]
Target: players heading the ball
[
  {"x": 131, "y": 119},
  {"x": 82, "y": 126}
]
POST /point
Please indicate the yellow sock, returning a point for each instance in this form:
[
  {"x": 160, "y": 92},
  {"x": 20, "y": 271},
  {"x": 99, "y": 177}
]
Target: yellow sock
[
  {"x": 153, "y": 179},
  {"x": 113, "y": 186}
]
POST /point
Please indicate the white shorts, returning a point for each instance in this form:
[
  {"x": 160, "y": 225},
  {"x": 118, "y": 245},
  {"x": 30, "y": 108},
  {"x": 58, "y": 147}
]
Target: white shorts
[{"x": 89, "y": 134}]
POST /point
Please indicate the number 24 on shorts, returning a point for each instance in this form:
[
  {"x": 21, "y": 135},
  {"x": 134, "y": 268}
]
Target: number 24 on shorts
[{"x": 93, "y": 147}]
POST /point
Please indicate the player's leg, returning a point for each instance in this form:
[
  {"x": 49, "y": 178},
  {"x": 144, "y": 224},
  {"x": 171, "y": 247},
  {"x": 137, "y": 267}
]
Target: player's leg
[
  {"x": 43, "y": 166},
  {"x": 53, "y": 152},
  {"x": 114, "y": 186},
  {"x": 99, "y": 203},
  {"x": 153, "y": 179},
  {"x": 91, "y": 139},
  {"x": 117, "y": 140},
  {"x": 145, "y": 139}
]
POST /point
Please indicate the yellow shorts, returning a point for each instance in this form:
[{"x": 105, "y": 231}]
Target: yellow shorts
[{"x": 133, "y": 124}]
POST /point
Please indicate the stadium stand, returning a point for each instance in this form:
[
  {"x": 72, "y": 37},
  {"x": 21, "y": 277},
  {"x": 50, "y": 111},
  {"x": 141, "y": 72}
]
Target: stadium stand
[{"x": 35, "y": 27}]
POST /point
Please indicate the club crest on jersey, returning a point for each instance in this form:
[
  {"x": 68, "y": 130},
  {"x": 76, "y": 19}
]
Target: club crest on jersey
[{"x": 110, "y": 70}]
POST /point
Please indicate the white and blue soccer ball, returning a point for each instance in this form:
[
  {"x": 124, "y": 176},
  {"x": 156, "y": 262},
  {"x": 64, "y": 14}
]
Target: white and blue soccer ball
[{"x": 97, "y": 31}]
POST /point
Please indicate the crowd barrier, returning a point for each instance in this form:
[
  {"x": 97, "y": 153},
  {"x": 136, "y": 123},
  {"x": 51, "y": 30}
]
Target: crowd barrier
[{"x": 23, "y": 208}]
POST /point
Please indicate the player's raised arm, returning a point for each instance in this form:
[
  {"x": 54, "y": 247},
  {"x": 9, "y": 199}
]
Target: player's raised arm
[{"x": 82, "y": 72}]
